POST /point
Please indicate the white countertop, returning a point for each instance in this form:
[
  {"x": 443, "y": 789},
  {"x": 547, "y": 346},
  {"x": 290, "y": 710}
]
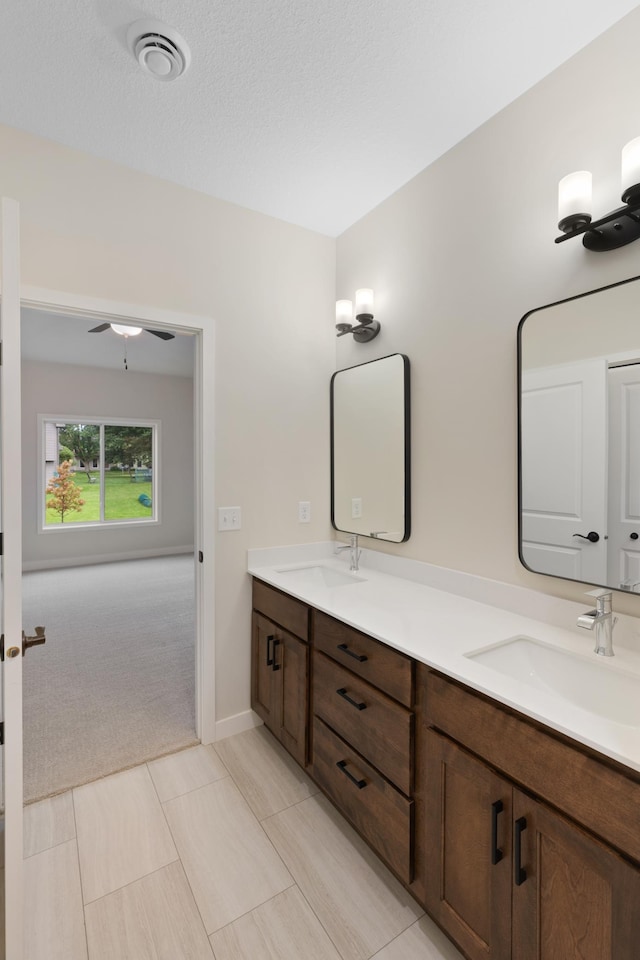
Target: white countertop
[{"x": 439, "y": 627}]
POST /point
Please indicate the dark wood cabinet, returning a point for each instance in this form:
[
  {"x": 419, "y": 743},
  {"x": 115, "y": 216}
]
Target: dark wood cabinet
[
  {"x": 280, "y": 671},
  {"x": 576, "y": 897},
  {"x": 363, "y": 743},
  {"x": 520, "y": 843},
  {"x": 508, "y": 876},
  {"x": 468, "y": 850}
]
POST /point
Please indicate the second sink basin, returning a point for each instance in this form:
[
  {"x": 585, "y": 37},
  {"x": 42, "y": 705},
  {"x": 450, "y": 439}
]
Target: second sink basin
[
  {"x": 589, "y": 683},
  {"x": 319, "y": 575}
]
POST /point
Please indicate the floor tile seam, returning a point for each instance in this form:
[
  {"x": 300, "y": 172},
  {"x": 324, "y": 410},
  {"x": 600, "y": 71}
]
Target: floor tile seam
[
  {"x": 186, "y": 793},
  {"x": 84, "y": 918},
  {"x": 52, "y": 846},
  {"x": 311, "y": 907},
  {"x": 175, "y": 843},
  {"x": 248, "y": 913},
  {"x": 108, "y": 893}
]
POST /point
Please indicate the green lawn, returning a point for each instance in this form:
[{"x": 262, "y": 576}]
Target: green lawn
[{"x": 121, "y": 499}]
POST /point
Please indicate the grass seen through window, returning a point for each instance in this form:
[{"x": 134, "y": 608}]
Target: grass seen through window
[{"x": 120, "y": 498}]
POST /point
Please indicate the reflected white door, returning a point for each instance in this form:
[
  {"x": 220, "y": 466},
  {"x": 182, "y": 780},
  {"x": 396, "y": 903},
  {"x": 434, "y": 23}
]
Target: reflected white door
[
  {"x": 624, "y": 477},
  {"x": 564, "y": 475},
  {"x": 11, "y": 525}
]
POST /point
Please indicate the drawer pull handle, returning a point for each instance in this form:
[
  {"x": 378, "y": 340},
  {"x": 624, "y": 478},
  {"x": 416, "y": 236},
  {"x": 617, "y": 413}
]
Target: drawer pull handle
[
  {"x": 342, "y": 765},
  {"x": 276, "y": 643},
  {"x": 360, "y": 657},
  {"x": 519, "y": 873},
  {"x": 270, "y": 640},
  {"x": 496, "y": 852},
  {"x": 342, "y": 692}
]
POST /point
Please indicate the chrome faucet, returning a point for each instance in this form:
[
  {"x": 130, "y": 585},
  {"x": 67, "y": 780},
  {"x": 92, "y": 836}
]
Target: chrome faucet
[
  {"x": 602, "y": 620},
  {"x": 354, "y": 555}
]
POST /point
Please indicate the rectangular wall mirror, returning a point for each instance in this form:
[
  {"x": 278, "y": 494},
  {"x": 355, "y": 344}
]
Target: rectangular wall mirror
[
  {"x": 370, "y": 449},
  {"x": 579, "y": 437}
]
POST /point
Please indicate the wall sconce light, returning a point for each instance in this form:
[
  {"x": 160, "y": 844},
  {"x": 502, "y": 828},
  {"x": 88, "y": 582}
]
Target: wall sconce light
[
  {"x": 367, "y": 328},
  {"x": 617, "y": 228}
]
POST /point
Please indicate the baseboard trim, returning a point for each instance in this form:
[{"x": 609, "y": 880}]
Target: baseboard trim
[
  {"x": 238, "y": 723},
  {"x": 54, "y": 564}
]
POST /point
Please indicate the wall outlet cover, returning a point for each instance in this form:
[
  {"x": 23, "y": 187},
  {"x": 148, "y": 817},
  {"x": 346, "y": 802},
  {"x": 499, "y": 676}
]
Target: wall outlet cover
[{"x": 304, "y": 511}]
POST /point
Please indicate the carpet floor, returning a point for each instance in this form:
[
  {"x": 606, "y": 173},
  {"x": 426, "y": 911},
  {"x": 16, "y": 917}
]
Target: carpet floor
[{"x": 115, "y": 683}]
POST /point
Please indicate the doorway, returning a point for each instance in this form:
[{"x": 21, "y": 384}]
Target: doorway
[{"x": 114, "y": 569}]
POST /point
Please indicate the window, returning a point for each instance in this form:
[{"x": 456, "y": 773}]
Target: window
[{"x": 98, "y": 472}]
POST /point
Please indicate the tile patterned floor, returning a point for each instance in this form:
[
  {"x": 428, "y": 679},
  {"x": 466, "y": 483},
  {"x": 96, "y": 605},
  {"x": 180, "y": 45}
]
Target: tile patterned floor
[{"x": 224, "y": 852}]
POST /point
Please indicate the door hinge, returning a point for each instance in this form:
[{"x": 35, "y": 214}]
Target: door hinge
[
  {"x": 1, "y": 544},
  {"x": 200, "y": 556},
  {"x": 1, "y": 733}
]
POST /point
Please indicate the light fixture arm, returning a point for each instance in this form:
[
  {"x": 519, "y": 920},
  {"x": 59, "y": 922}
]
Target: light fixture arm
[
  {"x": 366, "y": 328},
  {"x": 616, "y": 229}
]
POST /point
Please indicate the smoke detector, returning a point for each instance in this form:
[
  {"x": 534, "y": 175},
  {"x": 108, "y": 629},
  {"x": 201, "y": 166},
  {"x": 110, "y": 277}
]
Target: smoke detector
[{"x": 159, "y": 49}]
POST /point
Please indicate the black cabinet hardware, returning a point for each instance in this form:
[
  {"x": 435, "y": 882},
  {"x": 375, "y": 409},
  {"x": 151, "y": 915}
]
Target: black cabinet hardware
[
  {"x": 270, "y": 640},
  {"x": 342, "y": 765},
  {"x": 342, "y": 692},
  {"x": 360, "y": 657},
  {"x": 496, "y": 810},
  {"x": 519, "y": 873},
  {"x": 276, "y": 643}
]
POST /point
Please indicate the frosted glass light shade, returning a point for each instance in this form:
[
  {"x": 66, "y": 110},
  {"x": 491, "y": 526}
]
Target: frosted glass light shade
[
  {"x": 344, "y": 311},
  {"x": 630, "y": 174},
  {"x": 364, "y": 302},
  {"x": 125, "y": 331},
  {"x": 574, "y": 200}
]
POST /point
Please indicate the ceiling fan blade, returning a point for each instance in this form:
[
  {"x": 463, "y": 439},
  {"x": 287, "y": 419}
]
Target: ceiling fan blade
[
  {"x": 103, "y": 326},
  {"x": 162, "y": 334}
]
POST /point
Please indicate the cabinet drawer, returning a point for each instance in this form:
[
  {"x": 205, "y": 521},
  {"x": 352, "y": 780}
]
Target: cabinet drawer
[
  {"x": 374, "y": 724},
  {"x": 377, "y": 810},
  {"x": 596, "y": 794},
  {"x": 380, "y": 665},
  {"x": 282, "y": 609}
]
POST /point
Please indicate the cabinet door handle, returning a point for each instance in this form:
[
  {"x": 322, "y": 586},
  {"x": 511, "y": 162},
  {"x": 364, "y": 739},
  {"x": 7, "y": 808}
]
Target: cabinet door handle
[
  {"x": 360, "y": 657},
  {"x": 496, "y": 852},
  {"x": 342, "y": 692},
  {"x": 270, "y": 640},
  {"x": 342, "y": 765},
  {"x": 276, "y": 643},
  {"x": 519, "y": 873}
]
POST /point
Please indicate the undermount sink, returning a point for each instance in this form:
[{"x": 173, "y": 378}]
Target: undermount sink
[
  {"x": 586, "y": 682},
  {"x": 319, "y": 575}
]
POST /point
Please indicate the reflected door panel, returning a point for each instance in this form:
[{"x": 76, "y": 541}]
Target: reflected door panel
[
  {"x": 563, "y": 454},
  {"x": 624, "y": 477}
]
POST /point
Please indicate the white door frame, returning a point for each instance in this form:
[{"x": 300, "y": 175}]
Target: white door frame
[{"x": 56, "y": 301}]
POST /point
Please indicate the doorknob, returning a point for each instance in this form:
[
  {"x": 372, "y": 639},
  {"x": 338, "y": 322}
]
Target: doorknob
[
  {"x": 592, "y": 536},
  {"x": 34, "y": 641},
  {"x": 633, "y": 536}
]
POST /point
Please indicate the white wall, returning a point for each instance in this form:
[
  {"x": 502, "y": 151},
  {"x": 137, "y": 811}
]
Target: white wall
[
  {"x": 95, "y": 228},
  {"x": 456, "y": 257},
  {"x": 56, "y": 388}
]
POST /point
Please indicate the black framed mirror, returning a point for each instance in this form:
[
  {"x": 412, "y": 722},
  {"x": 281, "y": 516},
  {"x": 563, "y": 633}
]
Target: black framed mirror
[
  {"x": 371, "y": 449},
  {"x": 579, "y": 437}
]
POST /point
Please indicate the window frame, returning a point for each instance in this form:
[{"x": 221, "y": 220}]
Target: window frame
[{"x": 102, "y": 422}]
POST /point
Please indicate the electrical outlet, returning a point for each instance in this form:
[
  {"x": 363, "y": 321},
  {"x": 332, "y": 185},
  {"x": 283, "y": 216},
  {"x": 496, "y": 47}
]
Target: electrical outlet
[
  {"x": 356, "y": 508},
  {"x": 229, "y": 518},
  {"x": 304, "y": 512}
]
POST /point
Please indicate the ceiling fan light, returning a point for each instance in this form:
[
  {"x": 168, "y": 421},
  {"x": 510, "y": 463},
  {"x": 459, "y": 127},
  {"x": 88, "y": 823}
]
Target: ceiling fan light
[{"x": 126, "y": 331}]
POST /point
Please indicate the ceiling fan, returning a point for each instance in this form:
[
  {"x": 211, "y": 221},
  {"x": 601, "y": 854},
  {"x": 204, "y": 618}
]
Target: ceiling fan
[{"x": 125, "y": 331}]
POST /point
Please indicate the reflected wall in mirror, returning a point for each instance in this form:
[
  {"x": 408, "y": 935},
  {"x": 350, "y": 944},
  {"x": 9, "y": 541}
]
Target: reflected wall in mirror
[
  {"x": 579, "y": 437},
  {"x": 370, "y": 449}
]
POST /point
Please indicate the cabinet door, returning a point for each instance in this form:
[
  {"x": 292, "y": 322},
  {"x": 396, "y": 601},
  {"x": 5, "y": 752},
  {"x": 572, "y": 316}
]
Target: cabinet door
[
  {"x": 291, "y": 668},
  {"x": 468, "y": 850},
  {"x": 263, "y": 698},
  {"x": 575, "y": 899}
]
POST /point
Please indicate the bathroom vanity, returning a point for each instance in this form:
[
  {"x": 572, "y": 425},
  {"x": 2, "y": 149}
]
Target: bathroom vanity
[{"x": 513, "y": 818}]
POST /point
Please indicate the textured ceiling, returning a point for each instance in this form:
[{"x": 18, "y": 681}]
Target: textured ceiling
[{"x": 312, "y": 111}]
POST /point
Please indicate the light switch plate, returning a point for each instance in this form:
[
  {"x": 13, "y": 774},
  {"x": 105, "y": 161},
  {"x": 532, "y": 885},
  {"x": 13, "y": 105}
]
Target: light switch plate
[{"x": 229, "y": 518}]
